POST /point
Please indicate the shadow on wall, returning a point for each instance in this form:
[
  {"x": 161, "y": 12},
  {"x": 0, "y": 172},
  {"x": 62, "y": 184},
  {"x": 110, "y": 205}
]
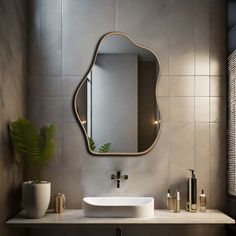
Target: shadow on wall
[
  {"x": 12, "y": 105},
  {"x": 231, "y": 26}
]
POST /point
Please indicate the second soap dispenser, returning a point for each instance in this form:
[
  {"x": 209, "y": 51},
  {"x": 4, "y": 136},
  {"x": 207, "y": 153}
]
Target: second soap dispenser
[{"x": 192, "y": 193}]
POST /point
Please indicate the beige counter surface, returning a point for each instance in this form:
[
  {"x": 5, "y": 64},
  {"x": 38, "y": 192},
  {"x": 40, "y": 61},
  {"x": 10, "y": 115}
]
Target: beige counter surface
[{"x": 76, "y": 217}]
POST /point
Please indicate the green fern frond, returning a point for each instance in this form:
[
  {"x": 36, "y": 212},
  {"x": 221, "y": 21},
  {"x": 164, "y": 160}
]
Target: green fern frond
[
  {"x": 35, "y": 146},
  {"x": 47, "y": 142},
  {"x": 104, "y": 148},
  {"x": 92, "y": 145},
  {"x": 26, "y": 138}
]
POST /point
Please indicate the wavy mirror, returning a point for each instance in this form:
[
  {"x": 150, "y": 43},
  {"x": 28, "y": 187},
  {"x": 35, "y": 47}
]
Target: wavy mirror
[{"x": 116, "y": 102}]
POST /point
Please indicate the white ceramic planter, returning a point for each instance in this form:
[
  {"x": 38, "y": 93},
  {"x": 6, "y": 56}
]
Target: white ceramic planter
[{"x": 36, "y": 198}]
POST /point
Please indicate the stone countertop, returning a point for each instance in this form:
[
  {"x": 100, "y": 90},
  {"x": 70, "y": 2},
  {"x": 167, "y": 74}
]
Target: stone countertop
[{"x": 76, "y": 217}]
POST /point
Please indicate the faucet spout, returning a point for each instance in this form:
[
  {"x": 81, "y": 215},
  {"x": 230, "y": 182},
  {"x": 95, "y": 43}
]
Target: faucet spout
[
  {"x": 118, "y": 183},
  {"x": 118, "y": 178}
]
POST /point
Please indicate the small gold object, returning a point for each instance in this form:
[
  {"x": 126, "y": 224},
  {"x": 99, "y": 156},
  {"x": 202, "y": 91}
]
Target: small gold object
[{"x": 59, "y": 203}]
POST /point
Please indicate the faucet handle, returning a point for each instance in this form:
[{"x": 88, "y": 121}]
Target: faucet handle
[
  {"x": 112, "y": 177},
  {"x": 126, "y": 176}
]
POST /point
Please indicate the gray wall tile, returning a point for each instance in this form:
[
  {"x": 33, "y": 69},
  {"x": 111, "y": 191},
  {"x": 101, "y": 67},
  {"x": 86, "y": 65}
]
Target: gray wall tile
[
  {"x": 181, "y": 37},
  {"x": 44, "y": 86},
  {"x": 202, "y": 86},
  {"x": 202, "y": 37},
  {"x": 67, "y": 110},
  {"x": 79, "y": 25},
  {"x": 69, "y": 85},
  {"x": 218, "y": 86},
  {"x": 202, "y": 109},
  {"x": 162, "y": 87},
  {"x": 181, "y": 109},
  {"x": 217, "y": 165},
  {"x": 202, "y": 158},
  {"x": 147, "y": 22},
  {"x": 45, "y": 37},
  {"x": 218, "y": 37},
  {"x": 217, "y": 109},
  {"x": 182, "y": 86},
  {"x": 181, "y": 157},
  {"x": 50, "y": 37},
  {"x": 164, "y": 108},
  {"x": 45, "y": 109}
]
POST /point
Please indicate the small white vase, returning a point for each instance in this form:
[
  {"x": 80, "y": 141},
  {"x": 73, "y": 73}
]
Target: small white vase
[{"x": 36, "y": 198}]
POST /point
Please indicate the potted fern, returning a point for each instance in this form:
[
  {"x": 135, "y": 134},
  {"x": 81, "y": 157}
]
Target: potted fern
[{"x": 36, "y": 147}]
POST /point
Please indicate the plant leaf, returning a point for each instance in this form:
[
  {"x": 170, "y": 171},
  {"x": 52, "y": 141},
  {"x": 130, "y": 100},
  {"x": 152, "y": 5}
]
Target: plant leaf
[
  {"x": 36, "y": 147},
  {"x": 25, "y": 137},
  {"x": 47, "y": 142},
  {"x": 104, "y": 148},
  {"x": 92, "y": 145}
]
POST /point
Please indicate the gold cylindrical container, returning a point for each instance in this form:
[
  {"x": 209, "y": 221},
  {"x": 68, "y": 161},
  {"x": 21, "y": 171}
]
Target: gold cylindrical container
[{"x": 59, "y": 203}]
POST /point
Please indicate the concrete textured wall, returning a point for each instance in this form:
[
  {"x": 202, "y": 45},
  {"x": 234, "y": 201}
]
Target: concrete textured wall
[
  {"x": 12, "y": 104},
  {"x": 189, "y": 36}
]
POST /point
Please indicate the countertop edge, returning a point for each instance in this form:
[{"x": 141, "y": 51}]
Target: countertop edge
[{"x": 161, "y": 217}]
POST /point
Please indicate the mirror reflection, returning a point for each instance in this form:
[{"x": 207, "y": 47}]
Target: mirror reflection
[{"x": 116, "y": 102}]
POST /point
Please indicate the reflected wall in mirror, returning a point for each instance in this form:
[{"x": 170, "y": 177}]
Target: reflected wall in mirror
[{"x": 116, "y": 102}]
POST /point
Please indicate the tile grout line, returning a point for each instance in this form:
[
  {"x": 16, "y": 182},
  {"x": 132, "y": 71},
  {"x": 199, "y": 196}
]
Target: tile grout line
[
  {"x": 116, "y": 4},
  {"x": 61, "y": 132},
  {"x": 194, "y": 68},
  {"x": 209, "y": 124},
  {"x": 168, "y": 109}
]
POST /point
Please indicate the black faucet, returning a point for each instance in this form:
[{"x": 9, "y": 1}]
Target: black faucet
[{"x": 118, "y": 178}]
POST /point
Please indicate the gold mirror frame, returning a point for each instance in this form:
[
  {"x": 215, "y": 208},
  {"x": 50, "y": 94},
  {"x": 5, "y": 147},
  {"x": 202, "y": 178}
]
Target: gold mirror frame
[{"x": 84, "y": 79}]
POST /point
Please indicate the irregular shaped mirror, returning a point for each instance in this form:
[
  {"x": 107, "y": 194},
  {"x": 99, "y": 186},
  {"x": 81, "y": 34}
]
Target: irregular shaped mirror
[{"x": 116, "y": 101}]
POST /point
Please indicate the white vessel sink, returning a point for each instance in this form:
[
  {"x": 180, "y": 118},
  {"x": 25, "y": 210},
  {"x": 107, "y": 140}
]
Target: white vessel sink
[{"x": 128, "y": 207}]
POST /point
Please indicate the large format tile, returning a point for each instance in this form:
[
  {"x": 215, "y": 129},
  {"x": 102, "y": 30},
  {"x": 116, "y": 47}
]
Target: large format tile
[
  {"x": 181, "y": 109},
  {"x": 202, "y": 37},
  {"x": 217, "y": 166},
  {"x": 218, "y": 86},
  {"x": 73, "y": 147},
  {"x": 162, "y": 87},
  {"x": 217, "y": 109},
  {"x": 68, "y": 114},
  {"x": 160, "y": 166},
  {"x": 50, "y": 37},
  {"x": 181, "y": 86},
  {"x": 182, "y": 37},
  {"x": 202, "y": 109},
  {"x": 218, "y": 37},
  {"x": 45, "y": 37},
  {"x": 34, "y": 37},
  {"x": 147, "y": 22},
  {"x": 45, "y": 109},
  {"x": 83, "y": 23},
  {"x": 181, "y": 157},
  {"x": 44, "y": 86},
  {"x": 69, "y": 85},
  {"x": 164, "y": 108},
  {"x": 202, "y": 158},
  {"x": 202, "y": 86}
]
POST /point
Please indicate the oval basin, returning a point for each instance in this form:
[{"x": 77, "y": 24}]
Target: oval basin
[{"x": 127, "y": 207}]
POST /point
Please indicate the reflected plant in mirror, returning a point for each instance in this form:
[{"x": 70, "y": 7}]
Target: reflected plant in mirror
[{"x": 116, "y": 102}]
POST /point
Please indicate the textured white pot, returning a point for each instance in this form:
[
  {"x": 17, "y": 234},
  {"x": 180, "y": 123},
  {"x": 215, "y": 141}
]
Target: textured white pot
[{"x": 36, "y": 198}]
